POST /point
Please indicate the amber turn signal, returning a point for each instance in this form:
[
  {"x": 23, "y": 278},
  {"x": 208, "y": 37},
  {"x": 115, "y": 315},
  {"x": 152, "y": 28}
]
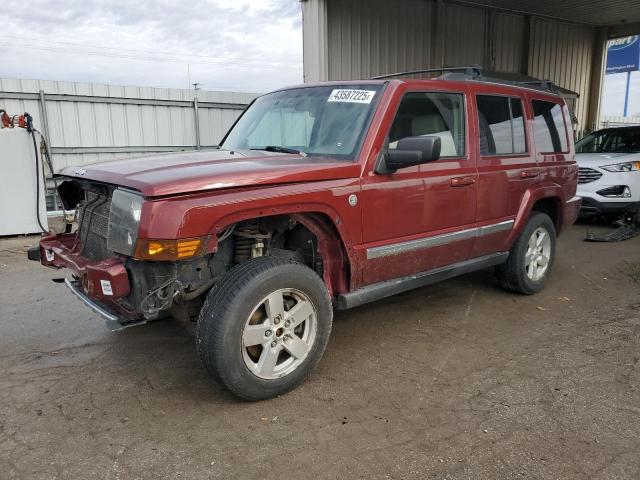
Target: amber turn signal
[{"x": 167, "y": 250}]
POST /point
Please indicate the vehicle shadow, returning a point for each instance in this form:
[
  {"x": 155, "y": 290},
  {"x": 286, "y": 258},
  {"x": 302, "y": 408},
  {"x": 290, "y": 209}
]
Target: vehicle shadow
[{"x": 161, "y": 356}]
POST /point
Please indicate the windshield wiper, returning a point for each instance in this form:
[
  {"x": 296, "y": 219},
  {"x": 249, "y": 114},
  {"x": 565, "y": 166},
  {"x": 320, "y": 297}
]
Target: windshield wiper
[{"x": 276, "y": 148}]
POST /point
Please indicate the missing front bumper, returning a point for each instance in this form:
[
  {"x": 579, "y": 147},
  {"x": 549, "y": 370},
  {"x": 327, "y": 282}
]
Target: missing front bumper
[{"x": 113, "y": 321}]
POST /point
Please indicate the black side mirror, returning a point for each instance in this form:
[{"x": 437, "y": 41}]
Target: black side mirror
[{"x": 413, "y": 151}]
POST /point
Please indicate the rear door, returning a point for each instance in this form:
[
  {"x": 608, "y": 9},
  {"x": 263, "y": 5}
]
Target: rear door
[{"x": 506, "y": 163}]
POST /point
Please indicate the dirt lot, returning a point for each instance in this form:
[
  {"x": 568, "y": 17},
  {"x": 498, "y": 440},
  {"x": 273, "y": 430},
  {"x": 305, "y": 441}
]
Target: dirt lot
[{"x": 459, "y": 380}]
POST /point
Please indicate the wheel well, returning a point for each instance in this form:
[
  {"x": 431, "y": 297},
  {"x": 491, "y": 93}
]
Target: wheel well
[
  {"x": 309, "y": 238},
  {"x": 551, "y": 207}
]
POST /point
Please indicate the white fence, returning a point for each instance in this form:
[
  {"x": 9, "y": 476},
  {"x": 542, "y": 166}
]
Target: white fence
[
  {"x": 618, "y": 121},
  {"x": 87, "y": 123}
]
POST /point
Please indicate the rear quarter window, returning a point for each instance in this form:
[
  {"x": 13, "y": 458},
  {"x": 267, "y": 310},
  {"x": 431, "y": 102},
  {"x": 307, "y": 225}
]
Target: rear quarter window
[{"x": 549, "y": 128}]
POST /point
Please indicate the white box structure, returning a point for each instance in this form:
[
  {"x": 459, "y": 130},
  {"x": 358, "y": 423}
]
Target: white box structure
[{"x": 18, "y": 188}]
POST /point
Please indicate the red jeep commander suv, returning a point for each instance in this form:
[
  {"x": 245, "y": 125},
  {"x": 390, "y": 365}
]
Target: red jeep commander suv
[{"x": 321, "y": 197}]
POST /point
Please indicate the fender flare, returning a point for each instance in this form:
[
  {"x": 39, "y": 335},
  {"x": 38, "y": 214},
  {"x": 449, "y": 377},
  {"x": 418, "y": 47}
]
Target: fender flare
[
  {"x": 336, "y": 251},
  {"x": 531, "y": 196}
]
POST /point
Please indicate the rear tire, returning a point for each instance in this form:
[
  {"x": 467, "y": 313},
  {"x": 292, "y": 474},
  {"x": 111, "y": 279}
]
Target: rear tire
[
  {"x": 264, "y": 327},
  {"x": 531, "y": 258}
]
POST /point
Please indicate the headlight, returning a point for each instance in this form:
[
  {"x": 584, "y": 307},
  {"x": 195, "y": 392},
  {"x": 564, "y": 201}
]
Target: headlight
[
  {"x": 124, "y": 218},
  {"x": 622, "y": 167}
]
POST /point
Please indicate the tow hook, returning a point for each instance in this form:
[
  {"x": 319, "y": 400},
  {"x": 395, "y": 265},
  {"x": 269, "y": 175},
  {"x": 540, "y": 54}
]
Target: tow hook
[{"x": 34, "y": 254}]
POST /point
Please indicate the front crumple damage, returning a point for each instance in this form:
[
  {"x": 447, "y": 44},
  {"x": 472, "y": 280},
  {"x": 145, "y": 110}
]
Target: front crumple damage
[{"x": 133, "y": 291}]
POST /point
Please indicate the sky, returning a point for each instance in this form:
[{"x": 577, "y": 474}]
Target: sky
[{"x": 236, "y": 45}]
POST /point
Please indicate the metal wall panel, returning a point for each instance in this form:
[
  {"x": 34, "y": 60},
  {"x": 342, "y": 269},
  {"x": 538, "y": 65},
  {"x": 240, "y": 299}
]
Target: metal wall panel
[
  {"x": 507, "y": 42},
  {"x": 85, "y": 128},
  {"x": 368, "y": 38},
  {"x": 562, "y": 52},
  {"x": 465, "y": 33},
  {"x": 314, "y": 40}
]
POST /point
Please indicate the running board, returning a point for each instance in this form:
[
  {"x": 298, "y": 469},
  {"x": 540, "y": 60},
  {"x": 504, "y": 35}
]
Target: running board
[{"x": 377, "y": 291}]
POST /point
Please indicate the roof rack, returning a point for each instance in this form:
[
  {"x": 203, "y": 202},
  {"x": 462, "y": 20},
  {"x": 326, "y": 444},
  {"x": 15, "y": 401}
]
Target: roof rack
[
  {"x": 472, "y": 71},
  {"x": 541, "y": 83},
  {"x": 477, "y": 73}
]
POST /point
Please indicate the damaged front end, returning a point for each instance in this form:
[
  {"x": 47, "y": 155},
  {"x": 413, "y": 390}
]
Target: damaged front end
[{"x": 126, "y": 279}]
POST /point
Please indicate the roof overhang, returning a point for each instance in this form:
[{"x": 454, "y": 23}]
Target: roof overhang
[{"x": 589, "y": 12}]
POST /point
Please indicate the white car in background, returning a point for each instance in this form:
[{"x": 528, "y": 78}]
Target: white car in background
[{"x": 609, "y": 172}]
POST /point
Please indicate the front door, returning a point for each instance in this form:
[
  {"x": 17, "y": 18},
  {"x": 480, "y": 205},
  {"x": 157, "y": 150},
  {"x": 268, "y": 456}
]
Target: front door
[{"x": 421, "y": 217}]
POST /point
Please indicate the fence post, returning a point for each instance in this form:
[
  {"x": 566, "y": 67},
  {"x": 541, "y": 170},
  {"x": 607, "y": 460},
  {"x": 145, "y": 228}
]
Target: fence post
[
  {"x": 47, "y": 139},
  {"x": 197, "y": 121},
  {"x": 45, "y": 123}
]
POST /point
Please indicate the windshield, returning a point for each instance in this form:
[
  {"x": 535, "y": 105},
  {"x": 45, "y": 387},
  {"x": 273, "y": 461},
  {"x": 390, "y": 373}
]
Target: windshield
[
  {"x": 321, "y": 121},
  {"x": 624, "y": 140}
]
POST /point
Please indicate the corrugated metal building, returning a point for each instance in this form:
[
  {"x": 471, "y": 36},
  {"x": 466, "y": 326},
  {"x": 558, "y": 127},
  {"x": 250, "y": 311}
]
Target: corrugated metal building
[{"x": 560, "y": 41}]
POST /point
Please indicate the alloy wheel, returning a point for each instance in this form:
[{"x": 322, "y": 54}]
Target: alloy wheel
[
  {"x": 538, "y": 254},
  {"x": 279, "y": 333}
]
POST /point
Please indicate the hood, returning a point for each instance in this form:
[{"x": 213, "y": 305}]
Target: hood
[
  {"x": 175, "y": 173},
  {"x": 601, "y": 159}
]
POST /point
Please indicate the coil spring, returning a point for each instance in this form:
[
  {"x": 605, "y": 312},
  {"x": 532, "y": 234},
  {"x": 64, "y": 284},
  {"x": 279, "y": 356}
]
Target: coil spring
[{"x": 244, "y": 239}]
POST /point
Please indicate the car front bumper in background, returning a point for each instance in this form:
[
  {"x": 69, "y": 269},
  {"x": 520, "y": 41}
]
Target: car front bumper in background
[
  {"x": 595, "y": 199},
  {"x": 591, "y": 206}
]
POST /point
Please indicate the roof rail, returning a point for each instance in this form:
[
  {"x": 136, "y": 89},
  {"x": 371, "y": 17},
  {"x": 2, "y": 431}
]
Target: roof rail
[
  {"x": 540, "y": 83},
  {"x": 476, "y": 72},
  {"x": 471, "y": 71}
]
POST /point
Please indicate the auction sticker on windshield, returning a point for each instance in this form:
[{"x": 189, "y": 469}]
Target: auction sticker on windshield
[{"x": 351, "y": 96}]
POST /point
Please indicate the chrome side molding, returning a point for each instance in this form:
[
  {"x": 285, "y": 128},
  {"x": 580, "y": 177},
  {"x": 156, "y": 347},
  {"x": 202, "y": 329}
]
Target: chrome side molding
[{"x": 437, "y": 240}]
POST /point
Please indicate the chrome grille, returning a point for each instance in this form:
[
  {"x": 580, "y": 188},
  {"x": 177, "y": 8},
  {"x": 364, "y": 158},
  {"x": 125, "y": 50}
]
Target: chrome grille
[
  {"x": 94, "y": 225},
  {"x": 588, "y": 175}
]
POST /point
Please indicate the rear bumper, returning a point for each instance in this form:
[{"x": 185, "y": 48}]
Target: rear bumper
[{"x": 102, "y": 285}]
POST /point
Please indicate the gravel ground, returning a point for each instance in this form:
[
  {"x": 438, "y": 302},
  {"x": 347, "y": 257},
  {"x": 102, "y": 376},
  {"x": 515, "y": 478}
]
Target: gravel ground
[{"x": 459, "y": 380}]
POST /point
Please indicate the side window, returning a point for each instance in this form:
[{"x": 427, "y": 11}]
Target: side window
[
  {"x": 549, "y": 129},
  {"x": 432, "y": 113},
  {"x": 501, "y": 123},
  {"x": 592, "y": 143}
]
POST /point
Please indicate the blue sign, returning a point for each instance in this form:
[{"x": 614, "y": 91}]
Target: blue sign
[{"x": 623, "y": 54}]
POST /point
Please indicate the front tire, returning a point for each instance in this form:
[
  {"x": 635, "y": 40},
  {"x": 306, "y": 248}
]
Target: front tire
[
  {"x": 531, "y": 258},
  {"x": 264, "y": 327}
]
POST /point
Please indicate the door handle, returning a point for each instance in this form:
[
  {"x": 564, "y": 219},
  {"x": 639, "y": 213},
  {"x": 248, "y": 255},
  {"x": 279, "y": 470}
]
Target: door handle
[
  {"x": 462, "y": 181},
  {"x": 529, "y": 174}
]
